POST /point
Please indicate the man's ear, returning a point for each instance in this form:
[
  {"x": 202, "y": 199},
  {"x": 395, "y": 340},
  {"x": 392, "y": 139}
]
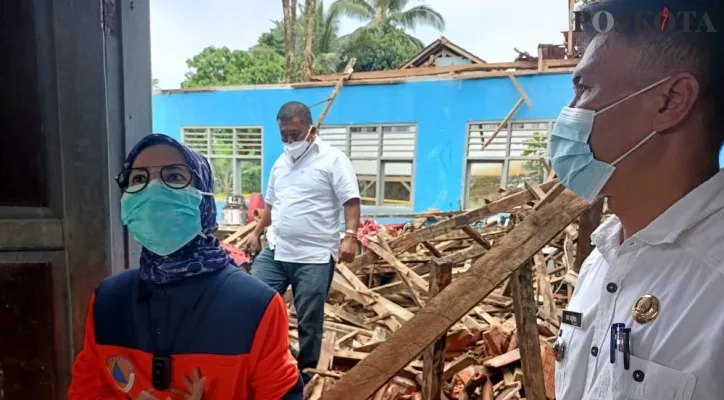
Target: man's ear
[
  {"x": 313, "y": 131},
  {"x": 676, "y": 101}
]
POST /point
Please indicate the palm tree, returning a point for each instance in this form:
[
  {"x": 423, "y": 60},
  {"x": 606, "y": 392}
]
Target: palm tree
[
  {"x": 393, "y": 12},
  {"x": 326, "y": 39},
  {"x": 310, "y": 6},
  {"x": 325, "y": 43},
  {"x": 290, "y": 18}
]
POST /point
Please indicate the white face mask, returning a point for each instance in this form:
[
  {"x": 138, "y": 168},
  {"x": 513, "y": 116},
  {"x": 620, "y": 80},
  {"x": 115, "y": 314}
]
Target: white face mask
[{"x": 296, "y": 150}]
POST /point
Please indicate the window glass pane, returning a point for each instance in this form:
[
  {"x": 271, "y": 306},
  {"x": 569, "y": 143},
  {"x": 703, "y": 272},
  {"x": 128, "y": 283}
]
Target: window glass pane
[
  {"x": 484, "y": 179},
  {"x": 365, "y": 142},
  {"x": 248, "y": 142},
  {"x": 520, "y": 170},
  {"x": 367, "y": 178},
  {"x": 222, "y": 142},
  {"x": 235, "y": 155},
  {"x": 335, "y": 136},
  {"x": 479, "y": 134},
  {"x": 528, "y": 143},
  {"x": 197, "y": 139},
  {"x": 398, "y": 141},
  {"x": 223, "y": 171},
  {"x": 248, "y": 175},
  {"x": 398, "y": 184}
]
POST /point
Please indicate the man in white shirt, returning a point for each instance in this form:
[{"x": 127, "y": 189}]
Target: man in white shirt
[
  {"x": 311, "y": 185},
  {"x": 645, "y": 321}
]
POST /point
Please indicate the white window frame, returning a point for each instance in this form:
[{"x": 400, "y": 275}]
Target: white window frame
[
  {"x": 380, "y": 159},
  {"x": 236, "y": 158},
  {"x": 503, "y": 160}
]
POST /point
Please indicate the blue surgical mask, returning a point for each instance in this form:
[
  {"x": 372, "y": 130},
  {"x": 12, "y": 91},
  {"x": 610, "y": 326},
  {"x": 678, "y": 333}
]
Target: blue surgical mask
[
  {"x": 571, "y": 155},
  {"x": 163, "y": 219}
]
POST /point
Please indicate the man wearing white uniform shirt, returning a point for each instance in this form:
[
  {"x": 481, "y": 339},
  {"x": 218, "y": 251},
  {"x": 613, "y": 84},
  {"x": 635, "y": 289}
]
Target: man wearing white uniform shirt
[
  {"x": 311, "y": 185},
  {"x": 644, "y": 130}
]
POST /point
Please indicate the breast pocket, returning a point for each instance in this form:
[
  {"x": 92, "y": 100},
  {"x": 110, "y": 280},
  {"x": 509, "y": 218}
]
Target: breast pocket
[{"x": 646, "y": 380}]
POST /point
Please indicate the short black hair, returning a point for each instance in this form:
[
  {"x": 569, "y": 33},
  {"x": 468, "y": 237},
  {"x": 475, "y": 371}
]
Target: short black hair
[
  {"x": 295, "y": 109},
  {"x": 695, "y": 47}
]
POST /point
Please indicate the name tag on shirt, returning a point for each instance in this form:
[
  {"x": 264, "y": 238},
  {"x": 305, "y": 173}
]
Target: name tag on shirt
[{"x": 572, "y": 318}]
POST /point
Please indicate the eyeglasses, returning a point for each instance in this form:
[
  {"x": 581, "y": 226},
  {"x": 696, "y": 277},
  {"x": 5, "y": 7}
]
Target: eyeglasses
[{"x": 175, "y": 176}]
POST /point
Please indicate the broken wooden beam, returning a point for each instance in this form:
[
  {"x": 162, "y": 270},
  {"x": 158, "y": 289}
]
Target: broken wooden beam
[
  {"x": 408, "y": 240},
  {"x": 503, "y": 123},
  {"x": 522, "y": 92},
  {"x": 526, "y": 321},
  {"x": 463, "y": 294},
  {"x": 348, "y": 70},
  {"x": 434, "y": 357},
  {"x": 588, "y": 222}
]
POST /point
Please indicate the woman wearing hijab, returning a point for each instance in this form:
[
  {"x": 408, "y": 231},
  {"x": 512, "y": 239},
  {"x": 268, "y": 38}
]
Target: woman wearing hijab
[{"x": 188, "y": 323}]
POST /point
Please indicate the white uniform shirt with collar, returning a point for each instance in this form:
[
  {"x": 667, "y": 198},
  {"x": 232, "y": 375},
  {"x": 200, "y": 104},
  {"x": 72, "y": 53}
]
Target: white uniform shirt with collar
[
  {"x": 307, "y": 198},
  {"x": 679, "y": 258}
]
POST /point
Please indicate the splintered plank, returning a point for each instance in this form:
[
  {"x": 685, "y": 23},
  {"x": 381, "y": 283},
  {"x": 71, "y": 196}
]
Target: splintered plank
[
  {"x": 348, "y": 70},
  {"x": 526, "y": 308},
  {"x": 240, "y": 233},
  {"x": 379, "y": 304},
  {"x": 408, "y": 240},
  {"x": 415, "y": 284},
  {"x": 434, "y": 357},
  {"x": 503, "y": 123},
  {"x": 327, "y": 352},
  {"x": 588, "y": 222},
  {"x": 464, "y": 293},
  {"x": 477, "y": 238}
]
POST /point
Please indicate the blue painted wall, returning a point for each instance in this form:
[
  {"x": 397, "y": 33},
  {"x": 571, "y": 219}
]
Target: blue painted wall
[{"x": 441, "y": 109}]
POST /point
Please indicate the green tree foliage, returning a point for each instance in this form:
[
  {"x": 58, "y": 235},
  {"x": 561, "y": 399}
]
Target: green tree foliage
[
  {"x": 215, "y": 66},
  {"x": 223, "y": 169},
  {"x": 251, "y": 177},
  {"x": 391, "y": 12},
  {"x": 382, "y": 44},
  {"x": 273, "y": 39},
  {"x": 535, "y": 147},
  {"x": 380, "y": 47},
  {"x": 326, "y": 39},
  {"x": 248, "y": 171}
]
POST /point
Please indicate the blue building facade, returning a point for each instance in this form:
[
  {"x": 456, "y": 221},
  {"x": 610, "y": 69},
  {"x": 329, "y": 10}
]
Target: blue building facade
[{"x": 416, "y": 145}]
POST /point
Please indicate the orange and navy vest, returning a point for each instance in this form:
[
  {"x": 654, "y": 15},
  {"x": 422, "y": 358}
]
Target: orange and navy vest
[{"x": 230, "y": 325}]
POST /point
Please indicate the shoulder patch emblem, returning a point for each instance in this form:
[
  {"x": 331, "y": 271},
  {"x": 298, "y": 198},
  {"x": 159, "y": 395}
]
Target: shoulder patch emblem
[{"x": 121, "y": 371}]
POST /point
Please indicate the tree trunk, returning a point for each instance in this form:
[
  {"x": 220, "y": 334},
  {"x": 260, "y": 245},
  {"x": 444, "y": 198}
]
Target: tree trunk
[
  {"x": 290, "y": 17},
  {"x": 310, "y": 6}
]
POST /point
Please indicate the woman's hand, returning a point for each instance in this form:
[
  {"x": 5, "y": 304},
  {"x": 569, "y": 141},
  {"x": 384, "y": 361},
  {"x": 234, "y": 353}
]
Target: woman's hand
[
  {"x": 195, "y": 387},
  {"x": 147, "y": 395}
]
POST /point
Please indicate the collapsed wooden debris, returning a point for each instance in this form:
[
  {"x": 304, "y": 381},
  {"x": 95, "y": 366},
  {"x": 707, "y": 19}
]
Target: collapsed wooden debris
[
  {"x": 469, "y": 71},
  {"x": 456, "y": 304}
]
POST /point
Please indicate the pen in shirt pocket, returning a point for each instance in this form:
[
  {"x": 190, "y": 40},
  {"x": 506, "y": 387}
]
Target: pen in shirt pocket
[{"x": 621, "y": 341}]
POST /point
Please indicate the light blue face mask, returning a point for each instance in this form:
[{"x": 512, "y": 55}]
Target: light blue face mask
[
  {"x": 162, "y": 219},
  {"x": 571, "y": 155}
]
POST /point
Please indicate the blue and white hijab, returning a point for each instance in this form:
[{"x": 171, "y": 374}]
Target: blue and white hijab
[{"x": 202, "y": 254}]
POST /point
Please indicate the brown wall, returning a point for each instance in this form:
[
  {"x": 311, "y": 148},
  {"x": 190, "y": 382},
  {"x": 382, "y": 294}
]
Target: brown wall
[{"x": 67, "y": 112}]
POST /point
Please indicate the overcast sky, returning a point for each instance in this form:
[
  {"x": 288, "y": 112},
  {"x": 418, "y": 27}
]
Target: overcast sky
[{"x": 488, "y": 28}]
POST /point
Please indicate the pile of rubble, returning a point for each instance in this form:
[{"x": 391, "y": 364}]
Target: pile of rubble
[{"x": 403, "y": 268}]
